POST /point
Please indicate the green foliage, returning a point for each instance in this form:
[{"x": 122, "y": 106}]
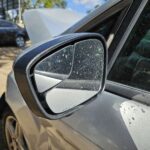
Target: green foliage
[
  {"x": 51, "y": 3},
  {"x": 48, "y": 4},
  {"x": 26, "y": 4}
]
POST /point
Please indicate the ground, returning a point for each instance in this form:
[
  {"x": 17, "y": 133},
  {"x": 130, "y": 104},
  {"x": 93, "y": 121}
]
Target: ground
[{"x": 7, "y": 56}]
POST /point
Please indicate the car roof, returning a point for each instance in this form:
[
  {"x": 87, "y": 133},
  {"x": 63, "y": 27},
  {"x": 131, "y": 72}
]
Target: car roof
[{"x": 92, "y": 15}]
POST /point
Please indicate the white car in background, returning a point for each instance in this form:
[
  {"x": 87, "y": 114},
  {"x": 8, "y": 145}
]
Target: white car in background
[{"x": 51, "y": 22}]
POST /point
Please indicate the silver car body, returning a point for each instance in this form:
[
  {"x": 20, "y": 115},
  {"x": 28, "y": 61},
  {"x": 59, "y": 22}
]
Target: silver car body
[{"x": 111, "y": 122}]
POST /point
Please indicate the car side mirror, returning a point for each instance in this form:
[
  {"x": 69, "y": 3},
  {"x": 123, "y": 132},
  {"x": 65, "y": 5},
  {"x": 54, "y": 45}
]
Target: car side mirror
[{"x": 57, "y": 77}]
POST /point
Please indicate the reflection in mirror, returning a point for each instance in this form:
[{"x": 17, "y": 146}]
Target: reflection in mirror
[
  {"x": 53, "y": 69},
  {"x": 85, "y": 79}
]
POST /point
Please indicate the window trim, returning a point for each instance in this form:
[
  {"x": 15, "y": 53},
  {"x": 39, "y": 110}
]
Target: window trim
[
  {"x": 98, "y": 16},
  {"x": 120, "y": 89},
  {"x": 128, "y": 92},
  {"x": 127, "y": 33}
]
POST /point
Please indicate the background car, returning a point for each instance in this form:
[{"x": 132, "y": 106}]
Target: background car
[{"x": 12, "y": 34}]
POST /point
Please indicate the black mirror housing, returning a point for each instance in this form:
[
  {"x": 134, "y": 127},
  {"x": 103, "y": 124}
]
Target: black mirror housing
[{"x": 24, "y": 71}]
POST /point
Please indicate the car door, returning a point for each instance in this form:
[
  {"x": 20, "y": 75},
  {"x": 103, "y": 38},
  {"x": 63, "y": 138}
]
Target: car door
[
  {"x": 2, "y": 32},
  {"x": 9, "y": 31}
]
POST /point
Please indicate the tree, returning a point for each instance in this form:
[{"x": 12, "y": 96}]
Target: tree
[
  {"x": 26, "y": 4},
  {"x": 51, "y": 3}
]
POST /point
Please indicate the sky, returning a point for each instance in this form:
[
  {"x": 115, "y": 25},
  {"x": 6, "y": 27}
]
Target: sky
[{"x": 83, "y": 6}]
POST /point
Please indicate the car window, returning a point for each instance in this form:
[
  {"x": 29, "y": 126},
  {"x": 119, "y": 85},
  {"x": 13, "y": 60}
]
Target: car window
[
  {"x": 1, "y": 13},
  {"x": 132, "y": 67},
  {"x": 105, "y": 28},
  {"x": 108, "y": 28},
  {"x": 5, "y": 24}
]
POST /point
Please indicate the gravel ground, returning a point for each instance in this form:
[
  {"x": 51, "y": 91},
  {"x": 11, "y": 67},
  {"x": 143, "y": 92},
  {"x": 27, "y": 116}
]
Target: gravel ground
[{"x": 7, "y": 56}]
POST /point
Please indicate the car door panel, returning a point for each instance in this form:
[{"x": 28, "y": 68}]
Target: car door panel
[
  {"x": 111, "y": 122},
  {"x": 11, "y": 32},
  {"x": 2, "y": 35},
  {"x": 62, "y": 136},
  {"x": 7, "y": 31},
  {"x": 40, "y": 133},
  {"x": 8, "y": 34}
]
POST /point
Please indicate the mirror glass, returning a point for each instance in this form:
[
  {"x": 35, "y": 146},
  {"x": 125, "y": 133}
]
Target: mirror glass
[
  {"x": 76, "y": 74},
  {"x": 53, "y": 69}
]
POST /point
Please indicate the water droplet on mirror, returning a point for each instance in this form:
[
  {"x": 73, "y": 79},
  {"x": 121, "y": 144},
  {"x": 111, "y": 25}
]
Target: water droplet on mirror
[{"x": 143, "y": 111}]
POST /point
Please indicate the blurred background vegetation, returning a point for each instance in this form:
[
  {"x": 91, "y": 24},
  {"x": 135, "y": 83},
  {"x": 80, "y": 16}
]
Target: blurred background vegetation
[
  {"x": 12, "y": 10},
  {"x": 51, "y": 3}
]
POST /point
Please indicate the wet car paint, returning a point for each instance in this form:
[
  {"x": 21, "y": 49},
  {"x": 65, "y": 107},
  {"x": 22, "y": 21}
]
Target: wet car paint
[{"x": 110, "y": 122}]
